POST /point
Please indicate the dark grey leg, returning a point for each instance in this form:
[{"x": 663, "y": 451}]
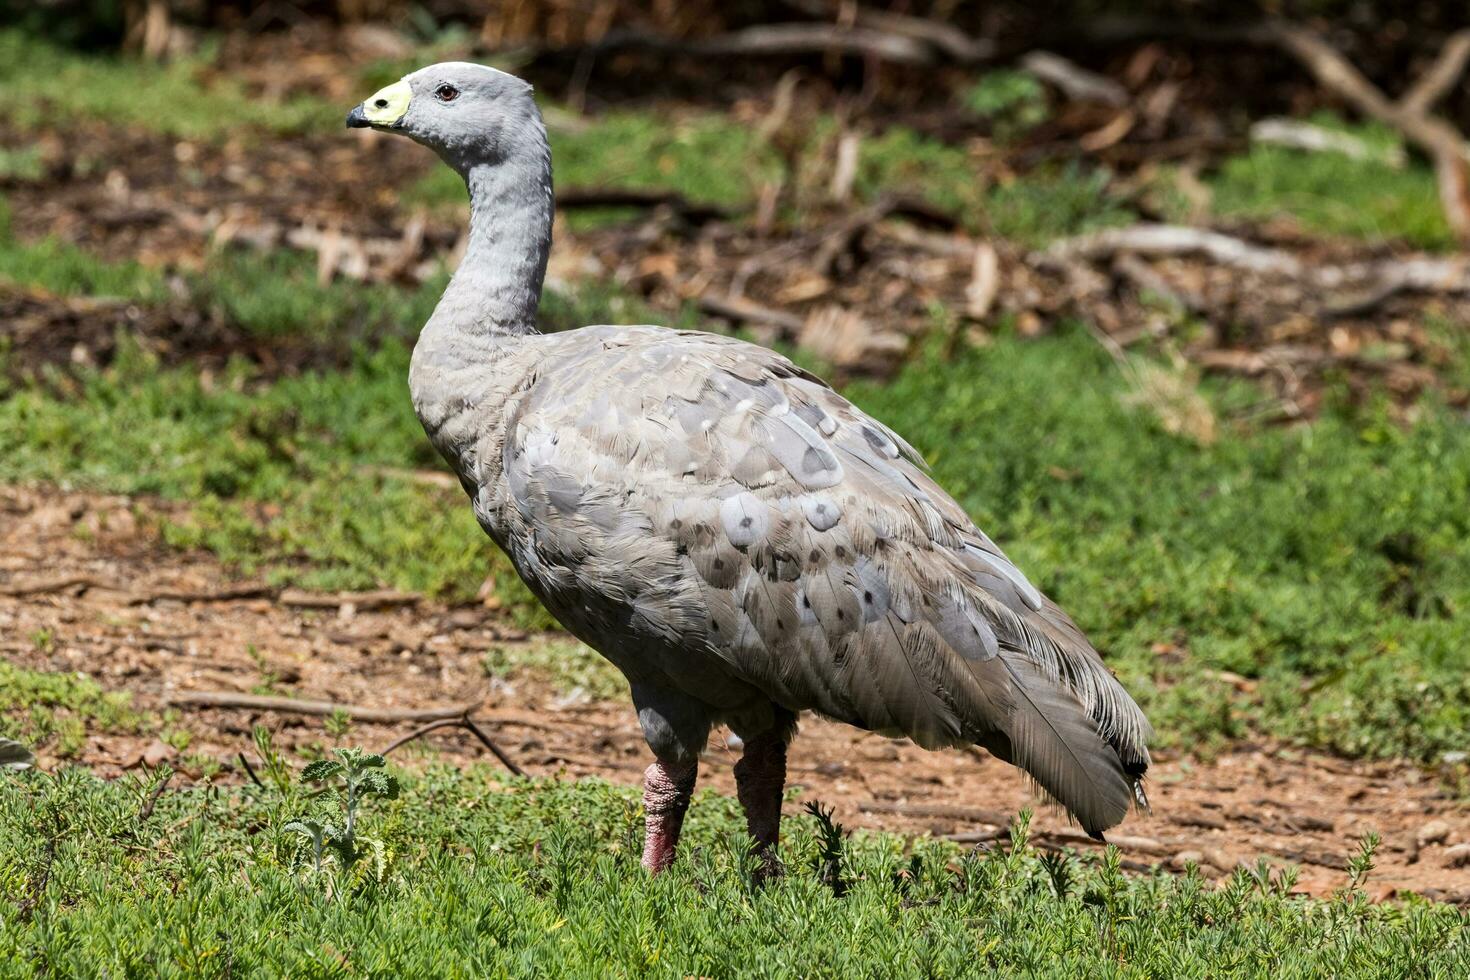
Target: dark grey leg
[{"x": 760, "y": 779}]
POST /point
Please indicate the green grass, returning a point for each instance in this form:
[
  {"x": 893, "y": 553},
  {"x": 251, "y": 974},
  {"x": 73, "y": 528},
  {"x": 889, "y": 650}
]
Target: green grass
[
  {"x": 1333, "y": 194},
  {"x": 46, "y": 84},
  {"x": 23, "y": 165},
  {"x": 711, "y": 158},
  {"x": 287, "y": 479},
  {"x": 58, "y": 709},
  {"x": 274, "y": 296},
  {"x": 1328, "y": 565},
  {"x": 559, "y": 660},
  {"x": 705, "y": 156},
  {"x": 468, "y": 875},
  {"x": 63, "y": 269},
  {"x": 306, "y": 447}
]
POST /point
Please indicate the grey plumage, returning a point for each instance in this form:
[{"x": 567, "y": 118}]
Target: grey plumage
[{"x": 739, "y": 539}]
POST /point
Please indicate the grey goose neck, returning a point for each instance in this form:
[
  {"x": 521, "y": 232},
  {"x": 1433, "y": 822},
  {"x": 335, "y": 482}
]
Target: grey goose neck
[
  {"x": 473, "y": 352},
  {"x": 497, "y": 288}
]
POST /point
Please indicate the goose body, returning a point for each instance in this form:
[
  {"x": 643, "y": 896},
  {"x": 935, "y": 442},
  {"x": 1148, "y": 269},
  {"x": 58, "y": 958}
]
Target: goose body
[{"x": 742, "y": 542}]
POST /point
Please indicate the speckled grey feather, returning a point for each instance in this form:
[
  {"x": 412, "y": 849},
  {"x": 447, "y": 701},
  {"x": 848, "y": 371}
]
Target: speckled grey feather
[{"x": 730, "y": 532}]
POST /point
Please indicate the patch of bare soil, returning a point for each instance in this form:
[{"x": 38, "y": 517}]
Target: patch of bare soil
[{"x": 88, "y": 574}]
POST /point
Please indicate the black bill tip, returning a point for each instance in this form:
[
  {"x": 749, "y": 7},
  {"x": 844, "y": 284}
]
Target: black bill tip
[{"x": 356, "y": 119}]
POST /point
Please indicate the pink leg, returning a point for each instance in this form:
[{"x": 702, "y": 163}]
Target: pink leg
[
  {"x": 666, "y": 791},
  {"x": 760, "y": 778}
]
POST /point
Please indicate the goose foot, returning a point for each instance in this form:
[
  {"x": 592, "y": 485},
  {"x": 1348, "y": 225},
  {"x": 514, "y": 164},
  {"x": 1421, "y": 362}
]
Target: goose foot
[{"x": 667, "y": 788}]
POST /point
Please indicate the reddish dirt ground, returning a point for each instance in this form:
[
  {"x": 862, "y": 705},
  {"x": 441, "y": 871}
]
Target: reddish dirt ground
[{"x": 113, "y": 603}]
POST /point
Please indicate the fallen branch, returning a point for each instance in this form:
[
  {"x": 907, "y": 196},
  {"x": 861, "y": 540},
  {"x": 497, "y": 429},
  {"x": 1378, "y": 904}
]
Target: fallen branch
[
  {"x": 1076, "y": 82},
  {"x": 51, "y": 585},
  {"x": 770, "y": 40},
  {"x": 1380, "y": 280},
  {"x": 225, "y": 594},
  {"x": 574, "y": 198},
  {"x": 746, "y": 311},
  {"x": 954, "y": 43},
  {"x": 1152, "y": 239},
  {"x": 1417, "y": 274},
  {"x": 1297, "y": 134},
  {"x": 461, "y": 722},
  {"x": 262, "y": 702},
  {"x": 1440, "y": 77},
  {"x": 942, "y": 811}
]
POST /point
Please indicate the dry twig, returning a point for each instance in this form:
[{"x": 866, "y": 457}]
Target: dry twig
[
  {"x": 748, "y": 311},
  {"x": 227, "y": 593},
  {"x": 61, "y": 584},
  {"x": 1152, "y": 239},
  {"x": 1076, "y": 82},
  {"x": 575, "y": 198},
  {"x": 1441, "y": 76},
  {"x": 465, "y": 722},
  {"x": 778, "y": 40},
  {"x": 262, "y": 702},
  {"x": 1297, "y": 134},
  {"x": 953, "y": 43},
  {"x": 146, "y": 810}
]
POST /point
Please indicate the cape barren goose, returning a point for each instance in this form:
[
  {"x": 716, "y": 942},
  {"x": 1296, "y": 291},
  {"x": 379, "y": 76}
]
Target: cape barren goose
[{"x": 740, "y": 540}]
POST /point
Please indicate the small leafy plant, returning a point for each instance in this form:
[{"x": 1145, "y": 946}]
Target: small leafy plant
[
  {"x": 1361, "y": 864},
  {"x": 828, "y": 861},
  {"x": 350, "y": 778},
  {"x": 1014, "y": 101}
]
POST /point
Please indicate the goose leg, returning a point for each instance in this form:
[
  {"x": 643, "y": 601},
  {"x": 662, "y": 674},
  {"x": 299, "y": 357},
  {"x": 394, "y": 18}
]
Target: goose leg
[
  {"x": 760, "y": 779},
  {"x": 667, "y": 788}
]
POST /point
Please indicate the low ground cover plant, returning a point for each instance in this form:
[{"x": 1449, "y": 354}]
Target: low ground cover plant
[{"x": 484, "y": 875}]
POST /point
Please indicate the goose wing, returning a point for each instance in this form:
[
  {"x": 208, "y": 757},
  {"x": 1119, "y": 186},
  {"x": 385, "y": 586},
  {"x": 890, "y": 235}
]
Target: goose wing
[{"x": 740, "y": 509}]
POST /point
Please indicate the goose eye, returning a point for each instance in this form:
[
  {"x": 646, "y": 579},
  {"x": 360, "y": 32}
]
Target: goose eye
[{"x": 446, "y": 93}]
